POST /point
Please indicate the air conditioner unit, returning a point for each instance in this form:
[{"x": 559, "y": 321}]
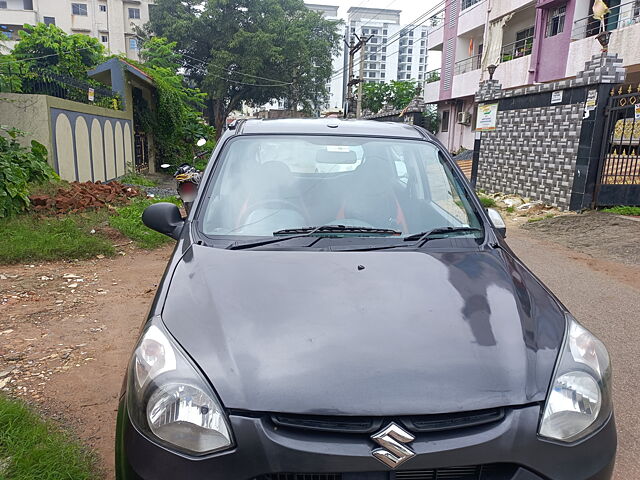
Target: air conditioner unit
[{"x": 464, "y": 118}]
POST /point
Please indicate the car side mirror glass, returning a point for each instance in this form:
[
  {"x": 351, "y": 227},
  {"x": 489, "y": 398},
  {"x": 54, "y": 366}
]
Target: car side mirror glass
[
  {"x": 164, "y": 218},
  {"x": 497, "y": 221}
]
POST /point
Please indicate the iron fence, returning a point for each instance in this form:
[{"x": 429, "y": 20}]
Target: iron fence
[
  {"x": 517, "y": 49},
  {"x": 619, "y": 16},
  {"x": 18, "y": 78},
  {"x": 467, "y": 64},
  {"x": 432, "y": 76}
]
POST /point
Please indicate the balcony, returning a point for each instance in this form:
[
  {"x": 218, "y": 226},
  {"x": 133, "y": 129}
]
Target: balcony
[
  {"x": 431, "y": 93},
  {"x": 620, "y": 16},
  {"x": 517, "y": 49},
  {"x": 624, "y": 41},
  {"x": 467, "y": 65},
  {"x": 514, "y": 73},
  {"x": 472, "y": 16},
  {"x": 435, "y": 38},
  {"x": 18, "y": 17},
  {"x": 500, "y": 9}
]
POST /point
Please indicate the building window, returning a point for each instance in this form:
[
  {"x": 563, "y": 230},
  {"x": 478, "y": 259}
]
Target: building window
[
  {"x": 444, "y": 124},
  {"x": 133, "y": 44},
  {"x": 79, "y": 9},
  {"x": 27, "y": 4},
  {"x": 49, "y": 20},
  {"x": 382, "y": 75},
  {"x": 103, "y": 8},
  {"x": 134, "y": 13},
  {"x": 3, "y": 4},
  {"x": 104, "y": 39},
  {"x": 467, "y": 3},
  {"x": 555, "y": 21}
]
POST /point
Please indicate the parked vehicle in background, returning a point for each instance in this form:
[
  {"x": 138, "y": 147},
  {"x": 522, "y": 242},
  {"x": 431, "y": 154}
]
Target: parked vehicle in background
[{"x": 339, "y": 306}]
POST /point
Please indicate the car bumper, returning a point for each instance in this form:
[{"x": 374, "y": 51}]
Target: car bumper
[{"x": 261, "y": 448}]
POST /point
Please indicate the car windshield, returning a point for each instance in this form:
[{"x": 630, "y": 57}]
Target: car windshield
[{"x": 266, "y": 184}]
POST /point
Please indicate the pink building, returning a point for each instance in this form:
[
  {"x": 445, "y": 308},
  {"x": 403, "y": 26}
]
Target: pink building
[{"x": 530, "y": 41}]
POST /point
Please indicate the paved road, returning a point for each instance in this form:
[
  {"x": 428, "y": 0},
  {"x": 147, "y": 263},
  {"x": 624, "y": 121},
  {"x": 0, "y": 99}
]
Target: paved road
[{"x": 605, "y": 297}]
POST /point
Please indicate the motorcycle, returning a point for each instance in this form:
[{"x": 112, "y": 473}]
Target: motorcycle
[{"x": 188, "y": 179}]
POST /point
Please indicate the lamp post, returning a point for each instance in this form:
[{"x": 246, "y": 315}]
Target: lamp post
[
  {"x": 603, "y": 39},
  {"x": 491, "y": 69}
]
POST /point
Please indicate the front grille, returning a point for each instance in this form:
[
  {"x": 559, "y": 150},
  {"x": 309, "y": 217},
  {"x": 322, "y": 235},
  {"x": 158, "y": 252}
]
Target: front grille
[
  {"x": 415, "y": 424},
  {"x": 473, "y": 472}
]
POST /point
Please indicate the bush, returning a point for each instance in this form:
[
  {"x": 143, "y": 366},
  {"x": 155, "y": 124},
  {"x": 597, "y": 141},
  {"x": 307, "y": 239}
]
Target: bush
[
  {"x": 487, "y": 202},
  {"x": 19, "y": 166},
  {"x": 624, "y": 210}
]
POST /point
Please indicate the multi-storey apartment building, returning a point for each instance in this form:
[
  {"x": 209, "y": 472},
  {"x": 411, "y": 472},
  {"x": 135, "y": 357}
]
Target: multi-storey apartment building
[
  {"x": 110, "y": 21},
  {"x": 394, "y": 51},
  {"x": 530, "y": 41}
]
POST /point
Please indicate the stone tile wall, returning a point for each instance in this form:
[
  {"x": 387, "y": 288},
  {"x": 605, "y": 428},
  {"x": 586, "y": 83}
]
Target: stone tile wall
[{"x": 532, "y": 153}]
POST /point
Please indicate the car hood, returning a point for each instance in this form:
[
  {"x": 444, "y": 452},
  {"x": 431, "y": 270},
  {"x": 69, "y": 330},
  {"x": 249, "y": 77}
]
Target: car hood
[{"x": 365, "y": 333}]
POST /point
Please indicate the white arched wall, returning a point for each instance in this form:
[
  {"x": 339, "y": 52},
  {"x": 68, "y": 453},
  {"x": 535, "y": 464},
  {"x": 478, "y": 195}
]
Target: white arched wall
[
  {"x": 128, "y": 148},
  {"x": 109, "y": 151},
  {"x": 120, "y": 161},
  {"x": 65, "y": 148},
  {"x": 83, "y": 152},
  {"x": 97, "y": 151}
]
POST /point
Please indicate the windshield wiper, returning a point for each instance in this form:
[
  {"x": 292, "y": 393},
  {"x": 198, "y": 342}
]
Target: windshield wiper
[
  {"x": 420, "y": 238},
  {"x": 291, "y": 233},
  {"x": 423, "y": 237}
]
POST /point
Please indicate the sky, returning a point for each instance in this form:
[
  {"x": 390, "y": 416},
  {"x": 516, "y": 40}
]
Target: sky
[{"x": 411, "y": 9}]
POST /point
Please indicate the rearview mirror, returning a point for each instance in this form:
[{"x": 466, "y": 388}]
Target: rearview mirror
[
  {"x": 164, "y": 218},
  {"x": 497, "y": 221}
]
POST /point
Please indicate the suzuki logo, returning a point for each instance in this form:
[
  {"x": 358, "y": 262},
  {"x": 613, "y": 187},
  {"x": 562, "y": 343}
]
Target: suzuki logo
[{"x": 392, "y": 440}]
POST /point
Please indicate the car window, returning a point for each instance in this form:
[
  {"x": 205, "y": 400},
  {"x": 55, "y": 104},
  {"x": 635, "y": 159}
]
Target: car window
[{"x": 264, "y": 184}]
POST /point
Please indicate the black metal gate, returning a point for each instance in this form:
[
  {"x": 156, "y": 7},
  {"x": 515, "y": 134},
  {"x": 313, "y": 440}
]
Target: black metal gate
[
  {"x": 141, "y": 152},
  {"x": 619, "y": 169}
]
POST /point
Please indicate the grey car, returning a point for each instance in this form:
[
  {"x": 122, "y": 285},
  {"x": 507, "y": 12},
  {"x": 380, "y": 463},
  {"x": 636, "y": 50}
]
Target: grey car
[{"x": 339, "y": 306}]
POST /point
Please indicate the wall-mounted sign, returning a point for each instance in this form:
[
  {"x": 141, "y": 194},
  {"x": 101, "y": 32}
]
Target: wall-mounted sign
[
  {"x": 592, "y": 99},
  {"x": 487, "y": 116},
  {"x": 638, "y": 112},
  {"x": 92, "y": 94},
  {"x": 556, "y": 97}
]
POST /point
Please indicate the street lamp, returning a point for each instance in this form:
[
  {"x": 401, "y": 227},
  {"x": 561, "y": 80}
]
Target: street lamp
[
  {"x": 491, "y": 69},
  {"x": 603, "y": 39}
]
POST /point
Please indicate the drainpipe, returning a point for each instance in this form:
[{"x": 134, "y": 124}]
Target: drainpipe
[{"x": 535, "y": 51}]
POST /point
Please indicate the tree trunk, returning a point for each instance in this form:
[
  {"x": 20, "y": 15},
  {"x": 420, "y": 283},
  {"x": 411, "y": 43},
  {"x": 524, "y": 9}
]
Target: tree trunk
[{"x": 219, "y": 117}]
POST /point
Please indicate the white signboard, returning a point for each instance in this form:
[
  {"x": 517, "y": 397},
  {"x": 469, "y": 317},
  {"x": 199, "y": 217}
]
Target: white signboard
[
  {"x": 487, "y": 115},
  {"x": 556, "y": 97},
  {"x": 637, "y": 109},
  {"x": 92, "y": 94}
]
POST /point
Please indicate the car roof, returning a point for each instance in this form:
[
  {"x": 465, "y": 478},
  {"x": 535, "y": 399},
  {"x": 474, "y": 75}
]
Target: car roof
[{"x": 329, "y": 126}]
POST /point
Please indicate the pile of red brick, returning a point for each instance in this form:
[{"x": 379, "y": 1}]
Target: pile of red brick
[{"x": 84, "y": 196}]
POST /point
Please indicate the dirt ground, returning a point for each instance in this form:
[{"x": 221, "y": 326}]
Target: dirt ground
[
  {"x": 67, "y": 328},
  {"x": 599, "y": 234},
  {"x": 66, "y": 332}
]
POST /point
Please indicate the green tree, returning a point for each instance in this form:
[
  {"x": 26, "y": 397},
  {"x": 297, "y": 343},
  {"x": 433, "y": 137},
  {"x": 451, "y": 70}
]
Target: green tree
[
  {"x": 398, "y": 94},
  {"x": 47, "y": 47},
  {"x": 250, "y": 50},
  {"x": 175, "y": 118}
]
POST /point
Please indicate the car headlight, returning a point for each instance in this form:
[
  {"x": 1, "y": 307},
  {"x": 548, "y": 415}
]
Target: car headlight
[
  {"x": 170, "y": 401},
  {"x": 579, "y": 400}
]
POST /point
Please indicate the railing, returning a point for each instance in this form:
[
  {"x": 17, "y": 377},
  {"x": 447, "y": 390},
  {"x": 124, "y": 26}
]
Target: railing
[
  {"x": 467, "y": 65},
  {"x": 432, "y": 76},
  {"x": 517, "y": 49},
  {"x": 620, "y": 16},
  {"x": 436, "y": 20},
  {"x": 468, "y": 3},
  {"x": 17, "y": 78}
]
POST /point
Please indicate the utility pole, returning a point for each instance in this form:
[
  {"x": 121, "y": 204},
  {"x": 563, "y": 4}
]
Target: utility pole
[{"x": 353, "y": 49}]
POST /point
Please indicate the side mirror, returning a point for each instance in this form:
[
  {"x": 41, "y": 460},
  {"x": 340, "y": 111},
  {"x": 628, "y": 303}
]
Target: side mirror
[
  {"x": 165, "y": 218},
  {"x": 497, "y": 221}
]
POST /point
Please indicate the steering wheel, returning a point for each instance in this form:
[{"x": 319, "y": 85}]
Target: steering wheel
[{"x": 275, "y": 204}]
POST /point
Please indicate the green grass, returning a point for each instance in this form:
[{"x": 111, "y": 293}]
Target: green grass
[
  {"x": 537, "y": 219},
  {"x": 137, "y": 179},
  {"x": 128, "y": 220},
  {"x": 511, "y": 209},
  {"x": 33, "y": 449},
  {"x": 487, "y": 202},
  {"x": 623, "y": 210},
  {"x": 32, "y": 238}
]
